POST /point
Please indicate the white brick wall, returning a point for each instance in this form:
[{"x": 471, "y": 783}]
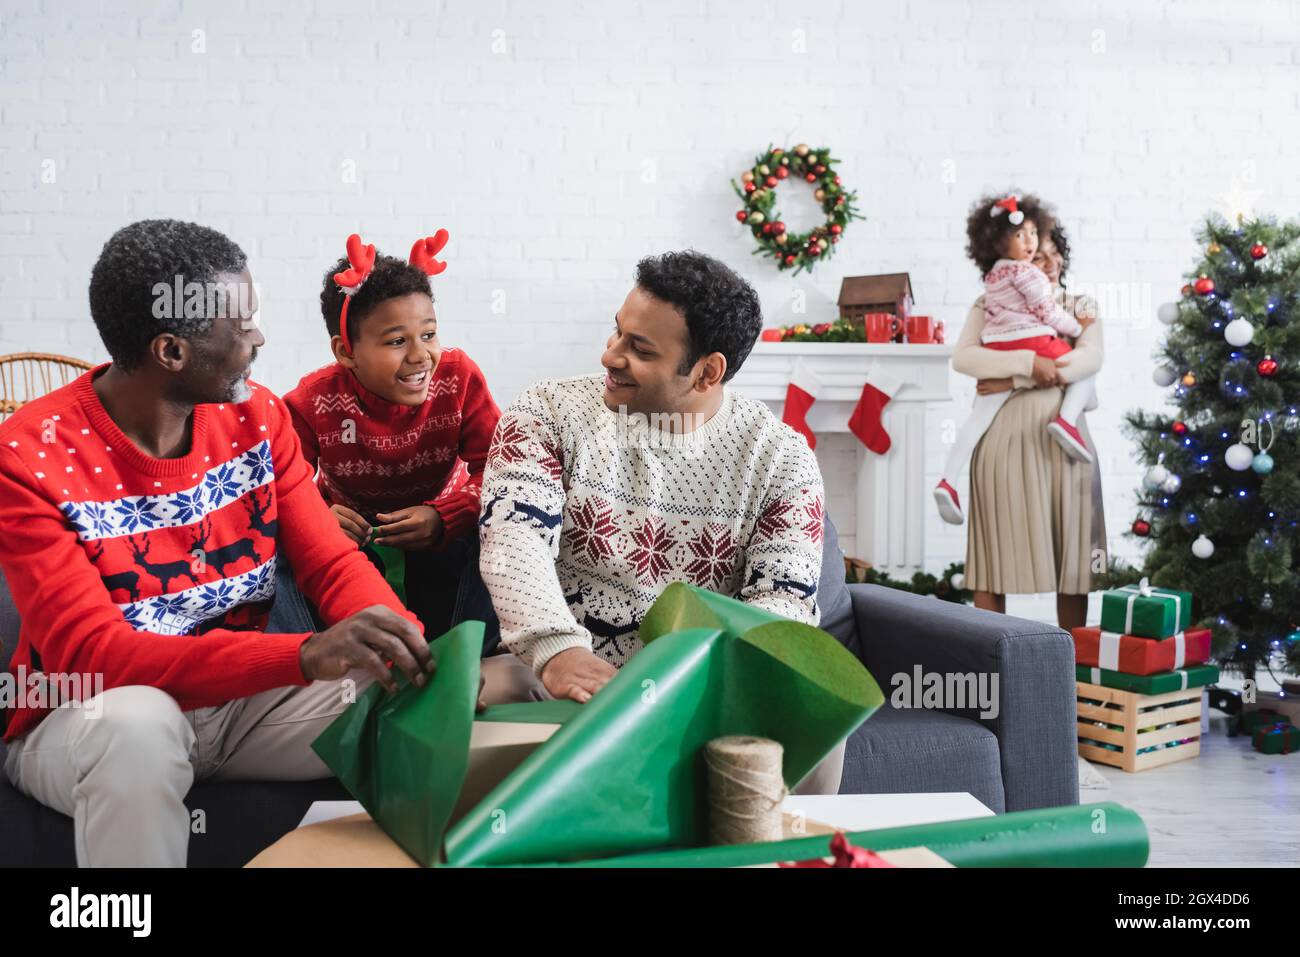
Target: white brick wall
[{"x": 561, "y": 141}]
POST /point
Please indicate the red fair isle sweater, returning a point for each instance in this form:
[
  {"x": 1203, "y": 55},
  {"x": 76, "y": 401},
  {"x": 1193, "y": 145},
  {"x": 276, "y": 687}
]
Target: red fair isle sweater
[
  {"x": 161, "y": 572},
  {"x": 378, "y": 456}
]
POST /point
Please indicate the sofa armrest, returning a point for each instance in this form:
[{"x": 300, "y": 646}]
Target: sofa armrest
[{"x": 1033, "y": 662}]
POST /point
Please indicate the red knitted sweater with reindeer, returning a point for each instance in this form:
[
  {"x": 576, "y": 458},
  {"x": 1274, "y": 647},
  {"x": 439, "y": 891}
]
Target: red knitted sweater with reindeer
[{"x": 132, "y": 570}]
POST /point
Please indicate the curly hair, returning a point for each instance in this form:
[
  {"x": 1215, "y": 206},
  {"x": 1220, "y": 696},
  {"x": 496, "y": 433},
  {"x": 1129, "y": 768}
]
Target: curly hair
[
  {"x": 721, "y": 310},
  {"x": 390, "y": 278},
  {"x": 986, "y": 235},
  {"x": 1062, "y": 244},
  {"x": 145, "y": 255}
]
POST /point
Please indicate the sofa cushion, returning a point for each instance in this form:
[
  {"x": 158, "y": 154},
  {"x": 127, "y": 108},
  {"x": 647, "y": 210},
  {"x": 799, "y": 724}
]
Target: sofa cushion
[
  {"x": 833, "y": 593},
  {"x": 903, "y": 751}
]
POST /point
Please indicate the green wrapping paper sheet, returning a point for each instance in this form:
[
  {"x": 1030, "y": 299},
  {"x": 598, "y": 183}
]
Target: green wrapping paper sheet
[
  {"x": 1158, "y": 683},
  {"x": 404, "y": 756},
  {"x": 1087, "y": 835},
  {"x": 624, "y": 773}
]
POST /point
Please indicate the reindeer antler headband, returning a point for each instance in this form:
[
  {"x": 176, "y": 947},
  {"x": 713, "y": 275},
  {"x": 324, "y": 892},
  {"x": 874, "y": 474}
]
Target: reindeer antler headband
[{"x": 361, "y": 260}]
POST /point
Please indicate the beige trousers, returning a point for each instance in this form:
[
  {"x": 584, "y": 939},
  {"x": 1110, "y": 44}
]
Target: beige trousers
[
  {"x": 123, "y": 775},
  {"x": 506, "y": 679}
]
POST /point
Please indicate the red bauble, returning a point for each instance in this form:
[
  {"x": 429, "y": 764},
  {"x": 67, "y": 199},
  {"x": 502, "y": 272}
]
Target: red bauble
[
  {"x": 811, "y": 177},
  {"x": 1267, "y": 366},
  {"x": 742, "y": 216},
  {"x": 770, "y": 181},
  {"x": 778, "y": 227},
  {"x": 767, "y": 229},
  {"x": 750, "y": 187},
  {"x": 1142, "y": 528},
  {"x": 1180, "y": 428},
  {"x": 821, "y": 328},
  {"x": 1187, "y": 289},
  {"x": 836, "y": 228},
  {"x": 1203, "y": 286},
  {"x": 819, "y": 169},
  {"x": 840, "y": 201},
  {"x": 782, "y": 172},
  {"x": 789, "y": 260},
  {"x": 1258, "y": 251},
  {"x": 837, "y": 181}
]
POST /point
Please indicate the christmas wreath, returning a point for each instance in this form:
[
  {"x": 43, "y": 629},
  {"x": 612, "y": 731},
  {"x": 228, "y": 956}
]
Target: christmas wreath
[{"x": 757, "y": 188}]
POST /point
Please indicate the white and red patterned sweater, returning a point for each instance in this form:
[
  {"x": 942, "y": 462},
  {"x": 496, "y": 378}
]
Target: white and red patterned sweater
[{"x": 586, "y": 518}]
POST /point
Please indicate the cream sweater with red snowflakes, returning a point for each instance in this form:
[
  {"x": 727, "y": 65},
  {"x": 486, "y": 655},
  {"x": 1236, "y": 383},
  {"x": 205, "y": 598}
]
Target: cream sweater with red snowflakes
[{"x": 587, "y": 516}]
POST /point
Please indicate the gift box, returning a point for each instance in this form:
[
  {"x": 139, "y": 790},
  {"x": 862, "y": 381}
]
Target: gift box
[
  {"x": 1146, "y": 612},
  {"x": 1177, "y": 680},
  {"x": 1134, "y": 655},
  {"x": 1280, "y": 738},
  {"x": 1251, "y": 721},
  {"x": 1285, "y": 705},
  {"x": 620, "y": 774}
]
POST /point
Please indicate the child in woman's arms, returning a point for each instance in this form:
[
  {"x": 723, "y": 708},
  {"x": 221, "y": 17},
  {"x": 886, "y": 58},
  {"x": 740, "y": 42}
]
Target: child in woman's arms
[
  {"x": 399, "y": 426},
  {"x": 1020, "y": 313}
]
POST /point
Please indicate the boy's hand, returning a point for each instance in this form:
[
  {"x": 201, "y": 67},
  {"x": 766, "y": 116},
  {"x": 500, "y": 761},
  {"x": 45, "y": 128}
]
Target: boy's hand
[
  {"x": 576, "y": 673},
  {"x": 419, "y": 526},
  {"x": 367, "y": 640},
  {"x": 354, "y": 526}
]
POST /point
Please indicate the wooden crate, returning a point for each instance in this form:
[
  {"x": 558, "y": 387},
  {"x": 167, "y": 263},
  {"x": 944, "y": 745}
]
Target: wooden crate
[{"x": 1133, "y": 722}]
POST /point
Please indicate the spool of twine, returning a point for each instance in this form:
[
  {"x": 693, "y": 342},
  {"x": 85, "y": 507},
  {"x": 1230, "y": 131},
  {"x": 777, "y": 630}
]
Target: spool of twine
[{"x": 745, "y": 789}]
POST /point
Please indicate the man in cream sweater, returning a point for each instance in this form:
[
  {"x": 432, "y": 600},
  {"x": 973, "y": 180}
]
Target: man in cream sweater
[{"x": 601, "y": 490}]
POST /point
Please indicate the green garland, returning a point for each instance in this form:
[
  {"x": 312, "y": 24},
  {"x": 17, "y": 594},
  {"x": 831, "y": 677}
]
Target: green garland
[
  {"x": 922, "y": 583},
  {"x": 757, "y": 188}
]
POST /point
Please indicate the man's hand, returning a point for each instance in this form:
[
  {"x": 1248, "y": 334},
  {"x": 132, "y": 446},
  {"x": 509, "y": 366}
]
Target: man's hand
[
  {"x": 354, "y": 526},
  {"x": 991, "y": 386},
  {"x": 576, "y": 673},
  {"x": 417, "y": 527},
  {"x": 1045, "y": 373},
  {"x": 368, "y": 639}
]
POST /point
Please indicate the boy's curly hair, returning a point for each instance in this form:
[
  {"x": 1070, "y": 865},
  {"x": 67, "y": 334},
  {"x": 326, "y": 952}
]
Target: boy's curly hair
[
  {"x": 986, "y": 234},
  {"x": 389, "y": 279}
]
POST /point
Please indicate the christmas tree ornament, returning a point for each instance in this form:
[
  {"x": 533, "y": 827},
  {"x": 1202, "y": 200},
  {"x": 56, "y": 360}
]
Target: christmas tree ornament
[
  {"x": 1155, "y": 476},
  {"x": 782, "y": 171},
  {"x": 1203, "y": 286},
  {"x": 756, "y": 217},
  {"x": 1267, "y": 367},
  {"x": 1258, "y": 251},
  {"x": 958, "y": 581},
  {"x": 1238, "y": 457},
  {"x": 1187, "y": 289},
  {"x": 1262, "y": 463},
  {"x": 1180, "y": 428},
  {"x": 1168, "y": 313},
  {"x": 770, "y": 181},
  {"x": 801, "y": 149},
  {"x": 747, "y": 176},
  {"x": 1214, "y": 249},
  {"x": 742, "y": 216},
  {"x": 1202, "y": 547},
  {"x": 1189, "y": 379},
  {"x": 1239, "y": 332},
  {"x": 1164, "y": 375},
  {"x": 1141, "y": 528},
  {"x": 1171, "y": 484}
]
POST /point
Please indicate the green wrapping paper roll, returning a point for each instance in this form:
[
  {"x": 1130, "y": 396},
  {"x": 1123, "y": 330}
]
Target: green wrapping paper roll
[{"x": 1086, "y": 835}]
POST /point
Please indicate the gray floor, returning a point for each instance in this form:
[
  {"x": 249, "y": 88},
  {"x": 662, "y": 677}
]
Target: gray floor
[{"x": 1229, "y": 807}]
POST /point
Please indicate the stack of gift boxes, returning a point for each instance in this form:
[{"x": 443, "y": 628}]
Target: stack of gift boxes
[{"x": 1144, "y": 646}]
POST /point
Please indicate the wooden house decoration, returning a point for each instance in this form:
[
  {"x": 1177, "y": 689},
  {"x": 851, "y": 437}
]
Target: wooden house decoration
[{"x": 888, "y": 292}]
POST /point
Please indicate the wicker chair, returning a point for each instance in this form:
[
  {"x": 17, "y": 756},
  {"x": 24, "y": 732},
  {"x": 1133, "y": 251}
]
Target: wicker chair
[{"x": 29, "y": 375}]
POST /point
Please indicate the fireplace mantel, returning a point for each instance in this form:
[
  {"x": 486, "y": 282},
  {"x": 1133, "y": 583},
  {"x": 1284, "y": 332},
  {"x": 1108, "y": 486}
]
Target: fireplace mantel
[{"x": 891, "y": 493}]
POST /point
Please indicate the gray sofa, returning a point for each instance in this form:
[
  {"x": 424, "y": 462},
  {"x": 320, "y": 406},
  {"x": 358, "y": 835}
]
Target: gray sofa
[{"x": 1023, "y": 758}]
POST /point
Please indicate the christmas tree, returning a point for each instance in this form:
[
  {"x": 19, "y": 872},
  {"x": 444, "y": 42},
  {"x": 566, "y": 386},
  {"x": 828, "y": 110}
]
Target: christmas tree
[{"x": 1221, "y": 496}]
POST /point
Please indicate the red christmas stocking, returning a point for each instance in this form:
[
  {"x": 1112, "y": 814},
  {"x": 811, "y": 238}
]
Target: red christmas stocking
[
  {"x": 800, "y": 394},
  {"x": 865, "y": 421}
]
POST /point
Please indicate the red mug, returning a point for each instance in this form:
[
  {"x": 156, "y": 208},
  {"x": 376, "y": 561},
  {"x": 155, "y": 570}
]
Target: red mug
[
  {"x": 920, "y": 329},
  {"x": 881, "y": 326}
]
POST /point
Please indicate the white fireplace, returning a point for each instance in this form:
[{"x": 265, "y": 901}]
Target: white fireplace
[{"x": 888, "y": 492}]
